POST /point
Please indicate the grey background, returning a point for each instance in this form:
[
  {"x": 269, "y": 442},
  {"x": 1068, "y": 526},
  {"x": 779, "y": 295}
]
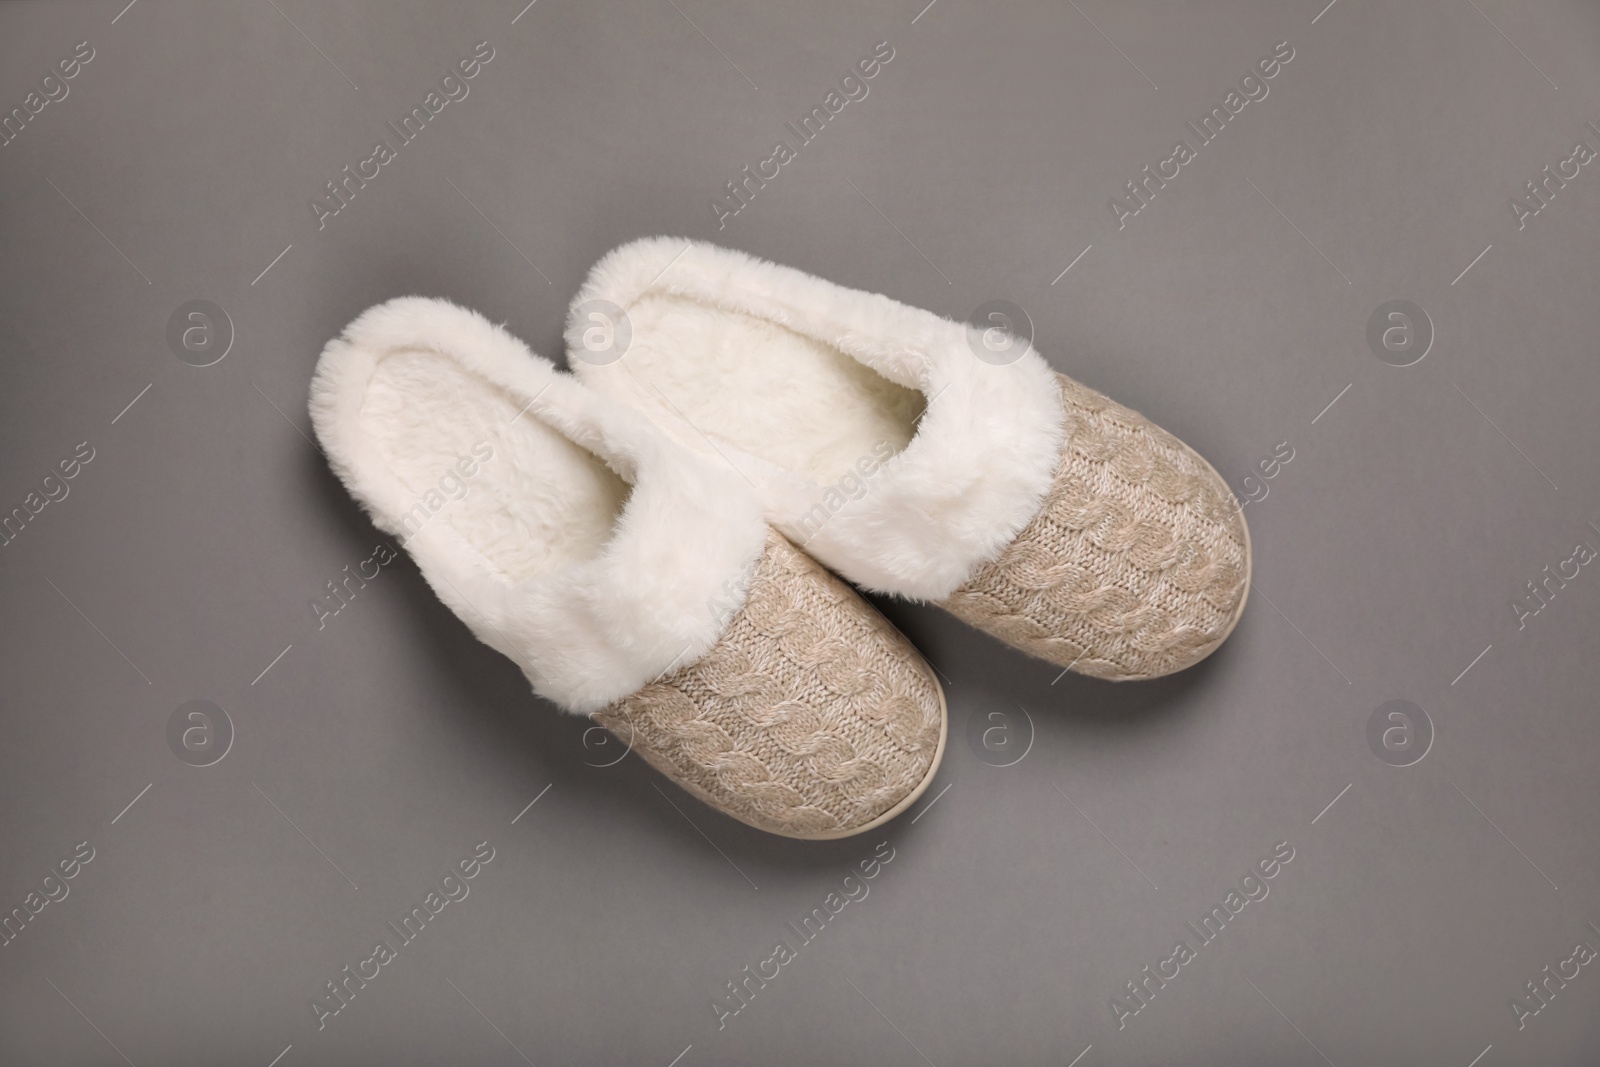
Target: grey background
[{"x": 1232, "y": 310}]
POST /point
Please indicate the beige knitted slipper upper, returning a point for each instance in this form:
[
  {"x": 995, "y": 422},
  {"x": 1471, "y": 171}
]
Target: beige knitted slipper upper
[
  {"x": 1137, "y": 565},
  {"x": 811, "y": 717}
]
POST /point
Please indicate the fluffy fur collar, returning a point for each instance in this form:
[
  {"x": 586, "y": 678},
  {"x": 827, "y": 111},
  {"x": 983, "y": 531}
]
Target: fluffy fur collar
[
  {"x": 660, "y": 590},
  {"x": 973, "y": 475}
]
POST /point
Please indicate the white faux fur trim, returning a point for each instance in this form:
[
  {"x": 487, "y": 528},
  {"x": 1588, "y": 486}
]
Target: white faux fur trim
[
  {"x": 658, "y": 592},
  {"x": 974, "y": 474}
]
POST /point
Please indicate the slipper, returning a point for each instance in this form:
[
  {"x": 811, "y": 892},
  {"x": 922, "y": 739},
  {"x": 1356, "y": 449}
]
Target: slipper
[
  {"x": 630, "y": 580},
  {"x": 883, "y": 440}
]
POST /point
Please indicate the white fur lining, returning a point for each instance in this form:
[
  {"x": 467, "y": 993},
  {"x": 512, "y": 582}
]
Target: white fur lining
[
  {"x": 590, "y": 609},
  {"x": 945, "y": 495}
]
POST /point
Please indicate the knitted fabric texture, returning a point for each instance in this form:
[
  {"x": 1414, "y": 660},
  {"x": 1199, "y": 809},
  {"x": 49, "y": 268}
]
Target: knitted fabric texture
[
  {"x": 1136, "y": 565},
  {"x": 811, "y": 716}
]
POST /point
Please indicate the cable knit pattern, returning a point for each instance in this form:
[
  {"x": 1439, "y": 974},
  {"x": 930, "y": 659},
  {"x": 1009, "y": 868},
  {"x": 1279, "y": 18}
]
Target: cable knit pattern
[
  {"x": 1137, "y": 565},
  {"x": 810, "y": 717}
]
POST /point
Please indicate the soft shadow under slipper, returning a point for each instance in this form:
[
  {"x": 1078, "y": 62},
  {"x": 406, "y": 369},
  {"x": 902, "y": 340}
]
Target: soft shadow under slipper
[
  {"x": 1020, "y": 500},
  {"x": 628, "y": 578}
]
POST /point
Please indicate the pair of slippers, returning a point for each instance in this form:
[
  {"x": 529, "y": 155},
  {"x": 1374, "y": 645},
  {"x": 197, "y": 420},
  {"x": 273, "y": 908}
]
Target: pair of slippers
[{"x": 654, "y": 538}]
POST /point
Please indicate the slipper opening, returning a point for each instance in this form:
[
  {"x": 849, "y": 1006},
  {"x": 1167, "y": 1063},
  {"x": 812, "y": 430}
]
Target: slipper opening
[
  {"x": 772, "y": 392},
  {"x": 524, "y": 496}
]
